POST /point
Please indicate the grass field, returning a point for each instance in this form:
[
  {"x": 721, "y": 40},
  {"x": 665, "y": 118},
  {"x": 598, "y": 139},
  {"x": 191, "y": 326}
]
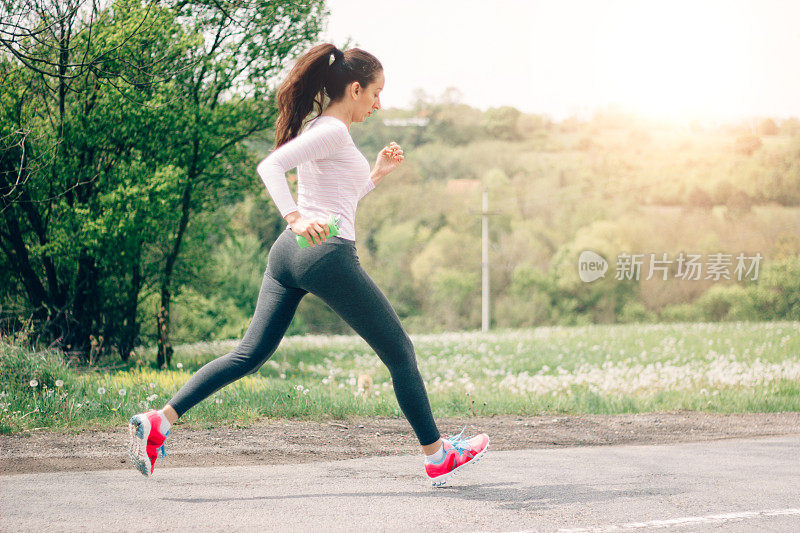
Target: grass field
[{"x": 719, "y": 367}]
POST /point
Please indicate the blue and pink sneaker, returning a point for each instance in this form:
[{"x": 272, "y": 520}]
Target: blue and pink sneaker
[
  {"x": 458, "y": 454},
  {"x": 145, "y": 440}
]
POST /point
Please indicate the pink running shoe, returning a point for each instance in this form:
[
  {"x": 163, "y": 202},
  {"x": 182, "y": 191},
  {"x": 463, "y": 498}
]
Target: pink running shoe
[
  {"x": 458, "y": 454},
  {"x": 145, "y": 440}
]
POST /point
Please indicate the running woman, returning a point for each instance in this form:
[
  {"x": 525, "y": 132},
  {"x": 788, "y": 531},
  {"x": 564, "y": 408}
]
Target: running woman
[{"x": 332, "y": 176}]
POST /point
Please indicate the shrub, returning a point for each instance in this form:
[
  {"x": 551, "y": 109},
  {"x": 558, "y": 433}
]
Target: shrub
[
  {"x": 747, "y": 144},
  {"x": 633, "y": 311},
  {"x": 776, "y": 293},
  {"x": 726, "y": 302}
]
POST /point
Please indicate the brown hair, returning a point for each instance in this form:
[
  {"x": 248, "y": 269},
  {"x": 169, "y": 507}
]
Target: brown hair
[{"x": 312, "y": 77}]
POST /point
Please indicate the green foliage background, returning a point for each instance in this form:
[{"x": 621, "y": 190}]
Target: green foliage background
[{"x": 94, "y": 197}]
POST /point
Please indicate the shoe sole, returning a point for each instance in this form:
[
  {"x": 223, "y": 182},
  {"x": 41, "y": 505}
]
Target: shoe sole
[
  {"x": 440, "y": 481},
  {"x": 137, "y": 444}
]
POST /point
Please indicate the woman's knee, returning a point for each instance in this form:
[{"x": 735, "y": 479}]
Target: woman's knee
[
  {"x": 255, "y": 367},
  {"x": 402, "y": 356},
  {"x": 246, "y": 362}
]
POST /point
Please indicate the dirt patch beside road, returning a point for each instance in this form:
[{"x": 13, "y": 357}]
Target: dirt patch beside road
[{"x": 280, "y": 441}]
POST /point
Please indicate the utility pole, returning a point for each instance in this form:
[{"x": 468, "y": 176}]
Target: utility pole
[{"x": 485, "y": 213}]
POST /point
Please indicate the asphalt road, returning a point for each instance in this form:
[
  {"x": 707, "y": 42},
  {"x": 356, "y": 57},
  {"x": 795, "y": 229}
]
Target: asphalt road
[{"x": 723, "y": 485}]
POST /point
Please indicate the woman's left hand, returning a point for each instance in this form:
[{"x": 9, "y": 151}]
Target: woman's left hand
[{"x": 389, "y": 158}]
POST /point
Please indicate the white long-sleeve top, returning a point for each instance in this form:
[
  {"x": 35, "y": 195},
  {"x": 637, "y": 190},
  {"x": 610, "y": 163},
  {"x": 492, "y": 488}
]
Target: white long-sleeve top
[{"x": 332, "y": 174}]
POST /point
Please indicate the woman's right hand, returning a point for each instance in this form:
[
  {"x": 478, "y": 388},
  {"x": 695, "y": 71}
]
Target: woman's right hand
[{"x": 315, "y": 230}]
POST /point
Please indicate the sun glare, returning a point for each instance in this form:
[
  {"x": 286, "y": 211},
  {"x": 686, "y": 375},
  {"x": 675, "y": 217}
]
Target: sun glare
[{"x": 676, "y": 61}]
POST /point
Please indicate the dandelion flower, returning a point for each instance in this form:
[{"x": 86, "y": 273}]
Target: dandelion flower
[
  {"x": 34, "y": 383},
  {"x": 152, "y": 397},
  {"x": 180, "y": 365},
  {"x": 305, "y": 391},
  {"x": 122, "y": 392},
  {"x": 59, "y": 382},
  {"x": 101, "y": 390},
  {"x": 283, "y": 376}
]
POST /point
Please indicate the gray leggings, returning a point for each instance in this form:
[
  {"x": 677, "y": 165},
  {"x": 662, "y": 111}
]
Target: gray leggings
[{"x": 332, "y": 272}]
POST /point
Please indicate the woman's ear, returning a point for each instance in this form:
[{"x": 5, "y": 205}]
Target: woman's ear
[{"x": 355, "y": 89}]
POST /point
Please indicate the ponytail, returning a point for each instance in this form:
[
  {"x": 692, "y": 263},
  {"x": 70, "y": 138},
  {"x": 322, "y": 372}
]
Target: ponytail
[{"x": 323, "y": 70}]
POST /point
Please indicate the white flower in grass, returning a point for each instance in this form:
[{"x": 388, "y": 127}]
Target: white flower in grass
[
  {"x": 122, "y": 392},
  {"x": 219, "y": 400},
  {"x": 283, "y": 376},
  {"x": 305, "y": 391},
  {"x": 34, "y": 383},
  {"x": 101, "y": 390},
  {"x": 59, "y": 382},
  {"x": 152, "y": 397},
  {"x": 298, "y": 387},
  {"x": 180, "y": 365},
  {"x": 152, "y": 385}
]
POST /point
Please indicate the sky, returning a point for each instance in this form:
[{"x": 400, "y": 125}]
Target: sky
[{"x": 703, "y": 59}]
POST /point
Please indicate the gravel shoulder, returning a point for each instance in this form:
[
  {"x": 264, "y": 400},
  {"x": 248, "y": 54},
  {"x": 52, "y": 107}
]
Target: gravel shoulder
[{"x": 281, "y": 441}]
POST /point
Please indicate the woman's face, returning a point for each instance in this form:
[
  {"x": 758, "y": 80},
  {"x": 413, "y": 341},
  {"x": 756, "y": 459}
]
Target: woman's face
[{"x": 369, "y": 99}]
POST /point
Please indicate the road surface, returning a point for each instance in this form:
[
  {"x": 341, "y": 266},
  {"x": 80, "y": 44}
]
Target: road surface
[{"x": 722, "y": 485}]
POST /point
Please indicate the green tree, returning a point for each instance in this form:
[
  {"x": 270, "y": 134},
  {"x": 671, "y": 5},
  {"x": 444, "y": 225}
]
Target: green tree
[
  {"x": 767, "y": 126},
  {"x": 69, "y": 141},
  {"x": 502, "y": 123},
  {"x": 226, "y": 98},
  {"x": 145, "y": 132}
]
